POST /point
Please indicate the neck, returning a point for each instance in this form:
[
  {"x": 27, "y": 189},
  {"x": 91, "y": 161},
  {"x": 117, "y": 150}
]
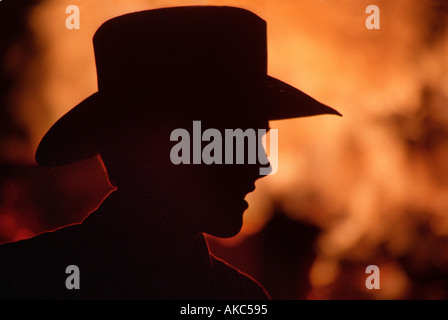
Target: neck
[{"x": 146, "y": 219}]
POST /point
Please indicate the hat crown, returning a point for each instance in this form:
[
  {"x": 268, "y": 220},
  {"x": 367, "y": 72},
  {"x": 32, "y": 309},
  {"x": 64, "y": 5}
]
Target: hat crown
[{"x": 197, "y": 46}]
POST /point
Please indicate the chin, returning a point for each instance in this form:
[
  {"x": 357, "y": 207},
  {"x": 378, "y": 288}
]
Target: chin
[
  {"x": 226, "y": 228},
  {"x": 227, "y": 232}
]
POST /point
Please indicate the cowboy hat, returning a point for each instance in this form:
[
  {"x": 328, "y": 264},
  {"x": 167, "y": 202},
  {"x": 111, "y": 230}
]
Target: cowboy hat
[{"x": 196, "y": 59}]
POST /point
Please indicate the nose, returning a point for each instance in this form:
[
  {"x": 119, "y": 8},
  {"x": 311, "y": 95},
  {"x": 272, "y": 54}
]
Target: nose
[
  {"x": 265, "y": 167},
  {"x": 273, "y": 153},
  {"x": 265, "y": 170}
]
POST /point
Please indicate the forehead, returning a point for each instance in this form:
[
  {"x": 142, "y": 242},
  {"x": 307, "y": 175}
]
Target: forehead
[
  {"x": 216, "y": 114},
  {"x": 159, "y": 128}
]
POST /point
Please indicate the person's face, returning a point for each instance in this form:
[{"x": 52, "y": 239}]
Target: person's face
[
  {"x": 216, "y": 192},
  {"x": 200, "y": 198}
]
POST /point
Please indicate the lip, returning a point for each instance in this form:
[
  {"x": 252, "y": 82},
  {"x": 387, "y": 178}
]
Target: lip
[
  {"x": 241, "y": 191},
  {"x": 251, "y": 189},
  {"x": 245, "y": 192}
]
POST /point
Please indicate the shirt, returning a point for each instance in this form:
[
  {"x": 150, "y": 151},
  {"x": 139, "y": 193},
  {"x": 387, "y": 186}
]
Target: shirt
[{"x": 106, "y": 266}]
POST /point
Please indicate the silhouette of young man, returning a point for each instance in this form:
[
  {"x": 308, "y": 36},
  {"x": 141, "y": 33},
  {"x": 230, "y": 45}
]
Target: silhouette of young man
[{"x": 158, "y": 70}]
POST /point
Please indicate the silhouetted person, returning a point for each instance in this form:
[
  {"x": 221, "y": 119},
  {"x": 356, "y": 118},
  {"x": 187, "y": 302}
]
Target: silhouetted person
[{"x": 158, "y": 70}]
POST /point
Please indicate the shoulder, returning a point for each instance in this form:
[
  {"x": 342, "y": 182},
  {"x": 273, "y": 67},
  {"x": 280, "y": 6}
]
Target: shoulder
[
  {"x": 45, "y": 243},
  {"x": 29, "y": 267},
  {"x": 237, "y": 284}
]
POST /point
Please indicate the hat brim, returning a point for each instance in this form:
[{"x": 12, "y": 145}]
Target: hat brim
[
  {"x": 285, "y": 102},
  {"x": 69, "y": 139}
]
